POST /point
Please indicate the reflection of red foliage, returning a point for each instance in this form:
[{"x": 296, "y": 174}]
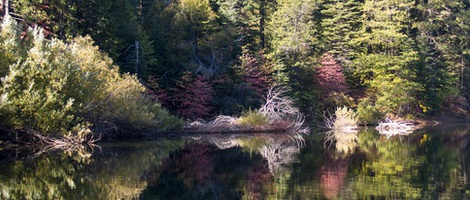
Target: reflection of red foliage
[
  {"x": 333, "y": 175},
  {"x": 258, "y": 177},
  {"x": 194, "y": 164},
  {"x": 330, "y": 76},
  {"x": 199, "y": 162}
]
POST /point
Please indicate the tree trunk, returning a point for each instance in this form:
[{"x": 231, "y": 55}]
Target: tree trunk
[{"x": 262, "y": 12}]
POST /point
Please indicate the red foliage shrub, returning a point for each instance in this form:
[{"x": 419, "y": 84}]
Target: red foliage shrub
[
  {"x": 155, "y": 92},
  {"x": 255, "y": 73},
  {"x": 330, "y": 76},
  {"x": 192, "y": 96}
]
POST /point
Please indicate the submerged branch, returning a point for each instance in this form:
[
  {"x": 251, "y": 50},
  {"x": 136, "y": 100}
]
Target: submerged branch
[{"x": 77, "y": 143}]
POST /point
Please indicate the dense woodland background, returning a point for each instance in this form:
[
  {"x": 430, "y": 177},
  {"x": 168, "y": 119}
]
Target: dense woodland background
[{"x": 202, "y": 58}]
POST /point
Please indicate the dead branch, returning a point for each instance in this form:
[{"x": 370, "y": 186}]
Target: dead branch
[{"x": 279, "y": 107}]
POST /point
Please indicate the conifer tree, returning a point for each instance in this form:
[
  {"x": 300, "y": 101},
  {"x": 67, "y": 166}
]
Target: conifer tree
[
  {"x": 386, "y": 62},
  {"x": 340, "y": 24},
  {"x": 292, "y": 36},
  {"x": 247, "y": 19},
  {"x": 443, "y": 28}
]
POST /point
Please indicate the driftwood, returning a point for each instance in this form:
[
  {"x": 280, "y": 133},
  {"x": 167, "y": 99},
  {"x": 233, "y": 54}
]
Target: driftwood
[
  {"x": 391, "y": 128},
  {"x": 279, "y": 109},
  {"x": 79, "y": 143}
]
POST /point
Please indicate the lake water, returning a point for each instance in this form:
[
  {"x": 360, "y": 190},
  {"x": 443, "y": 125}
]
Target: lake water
[{"x": 432, "y": 163}]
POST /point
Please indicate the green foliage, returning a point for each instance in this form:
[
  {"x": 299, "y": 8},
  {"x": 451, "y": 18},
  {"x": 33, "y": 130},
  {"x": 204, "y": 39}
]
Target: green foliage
[
  {"x": 367, "y": 113},
  {"x": 386, "y": 62},
  {"x": 246, "y": 20},
  {"x": 341, "y": 22},
  {"x": 11, "y": 45},
  {"x": 57, "y": 88},
  {"x": 37, "y": 90},
  {"x": 292, "y": 34},
  {"x": 252, "y": 118},
  {"x": 443, "y": 28},
  {"x": 405, "y": 57}
]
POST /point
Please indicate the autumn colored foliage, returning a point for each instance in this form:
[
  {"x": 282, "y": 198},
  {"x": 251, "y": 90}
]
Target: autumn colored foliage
[
  {"x": 255, "y": 72},
  {"x": 190, "y": 98},
  {"x": 330, "y": 76}
]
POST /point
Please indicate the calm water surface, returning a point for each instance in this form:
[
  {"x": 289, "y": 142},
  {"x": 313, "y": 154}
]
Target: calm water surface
[{"x": 432, "y": 163}]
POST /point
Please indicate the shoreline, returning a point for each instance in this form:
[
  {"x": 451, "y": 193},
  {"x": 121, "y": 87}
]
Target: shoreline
[{"x": 419, "y": 123}]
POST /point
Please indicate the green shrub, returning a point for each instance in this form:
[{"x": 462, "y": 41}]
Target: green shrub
[
  {"x": 367, "y": 113},
  {"x": 60, "y": 89},
  {"x": 252, "y": 118},
  {"x": 36, "y": 90}
]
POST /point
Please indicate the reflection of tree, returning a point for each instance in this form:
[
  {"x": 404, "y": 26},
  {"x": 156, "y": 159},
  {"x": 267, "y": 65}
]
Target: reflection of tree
[
  {"x": 116, "y": 172},
  {"x": 44, "y": 177},
  {"x": 278, "y": 149},
  {"x": 333, "y": 175},
  {"x": 225, "y": 167},
  {"x": 334, "y": 169},
  {"x": 201, "y": 171},
  {"x": 121, "y": 168},
  {"x": 446, "y": 151},
  {"x": 388, "y": 170},
  {"x": 259, "y": 182}
]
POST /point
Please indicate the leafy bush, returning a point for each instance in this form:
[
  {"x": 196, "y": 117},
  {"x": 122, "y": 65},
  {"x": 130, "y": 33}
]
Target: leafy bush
[
  {"x": 367, "y": 113},
  {"x": 330, "y": 76},
  {"x": 57, "y": 88}
]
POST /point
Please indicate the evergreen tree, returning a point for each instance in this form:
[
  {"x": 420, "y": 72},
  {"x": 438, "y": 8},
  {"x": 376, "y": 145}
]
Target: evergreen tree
[
  {"x": 292, "y": 36},
  {"x": 247, "y": 19},
  {"x": 57, "y": 18},
  {"x": 386, "y": 61},
  {"x": 442, "y": 32},
  {"x": 340, "y": 24}
]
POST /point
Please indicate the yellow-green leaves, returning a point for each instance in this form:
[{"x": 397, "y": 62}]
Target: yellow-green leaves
[{"x": 59, "y": 89}]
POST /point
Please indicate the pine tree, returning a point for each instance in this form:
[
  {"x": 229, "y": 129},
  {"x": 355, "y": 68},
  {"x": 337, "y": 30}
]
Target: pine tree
[
  {"x": 292, "y": 36},
  {"x": 443, "y": 28},
  {"x": 340, "y": 24},
  {"x": 386, "y": 62},
  {"x": 247, "y": 19}
]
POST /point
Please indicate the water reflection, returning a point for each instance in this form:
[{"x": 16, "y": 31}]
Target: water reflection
[
  {"x": 430, "y": 163},
  {"x": 224, "y": 167}
]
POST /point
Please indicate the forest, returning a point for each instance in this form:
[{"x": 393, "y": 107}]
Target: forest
[{"x": 69, "y": 67}]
